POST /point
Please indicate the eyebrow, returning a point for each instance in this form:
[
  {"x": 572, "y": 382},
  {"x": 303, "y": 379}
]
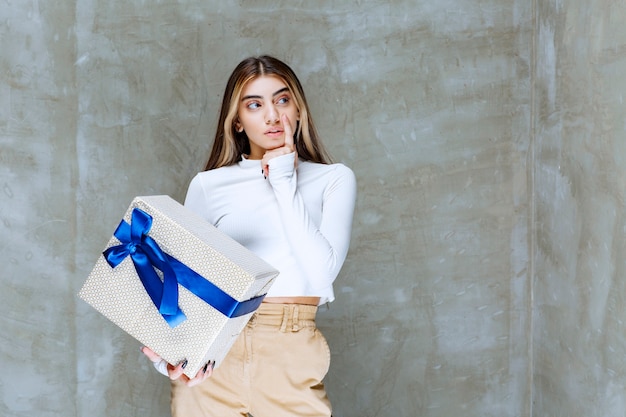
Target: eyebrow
[{"x": 282, "y": 90}]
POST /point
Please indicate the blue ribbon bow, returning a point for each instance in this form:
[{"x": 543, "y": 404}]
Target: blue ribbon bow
[{"x": 147, "y": 255}]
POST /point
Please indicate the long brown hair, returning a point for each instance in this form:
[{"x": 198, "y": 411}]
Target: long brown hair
[{"x": 229, "y": 145}]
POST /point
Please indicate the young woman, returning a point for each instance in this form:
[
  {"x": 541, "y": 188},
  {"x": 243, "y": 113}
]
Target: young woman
[{"x": 269, "y": 184}]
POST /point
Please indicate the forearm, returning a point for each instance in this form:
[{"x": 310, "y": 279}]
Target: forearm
[{"x": 319, "y": 248}]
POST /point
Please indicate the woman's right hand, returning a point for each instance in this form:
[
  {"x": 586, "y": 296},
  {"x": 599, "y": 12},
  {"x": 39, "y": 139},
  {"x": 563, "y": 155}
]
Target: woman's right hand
[
  {"x": 176, "y": 372},
  {"x": 287, "y": 148}
]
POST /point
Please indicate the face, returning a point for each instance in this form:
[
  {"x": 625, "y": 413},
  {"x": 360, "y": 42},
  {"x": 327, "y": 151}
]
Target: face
[{"x": 263, "y": 102}]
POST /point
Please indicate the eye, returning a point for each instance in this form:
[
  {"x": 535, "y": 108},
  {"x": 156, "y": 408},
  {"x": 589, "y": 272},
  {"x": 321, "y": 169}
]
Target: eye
[
  {"x": 283, "y": 100},
  {"x": 253, "y": 105}
]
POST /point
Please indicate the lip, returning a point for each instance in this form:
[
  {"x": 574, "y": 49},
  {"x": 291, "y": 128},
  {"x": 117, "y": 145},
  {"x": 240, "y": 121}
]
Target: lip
[{"x": 274, "y": 132}]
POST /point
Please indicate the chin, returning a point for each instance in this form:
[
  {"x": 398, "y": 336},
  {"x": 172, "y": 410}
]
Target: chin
[{"x": 275, "y": 145}]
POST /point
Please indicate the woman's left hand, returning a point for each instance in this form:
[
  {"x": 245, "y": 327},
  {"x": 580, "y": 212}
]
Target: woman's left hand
[
  {"x": 176, "y": 372},
  {"x": 287, "y": 148}
]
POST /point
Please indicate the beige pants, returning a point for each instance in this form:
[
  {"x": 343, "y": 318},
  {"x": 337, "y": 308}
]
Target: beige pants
[{"x": 274, "y": 369}]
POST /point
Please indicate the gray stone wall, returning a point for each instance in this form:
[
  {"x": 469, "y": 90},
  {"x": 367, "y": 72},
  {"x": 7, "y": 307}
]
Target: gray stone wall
[
  {"x": 487, "y": 140},
  {"x": 580, "y": 224}
]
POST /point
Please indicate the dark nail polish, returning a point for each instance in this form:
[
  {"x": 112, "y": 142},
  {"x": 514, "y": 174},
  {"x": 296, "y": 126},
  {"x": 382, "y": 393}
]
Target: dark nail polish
[
  {"x": 184, "y": 365},
  {"x": 206, "y": 366}
]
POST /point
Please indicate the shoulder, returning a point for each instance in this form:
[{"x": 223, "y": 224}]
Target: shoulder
[
  {"x": 343, "y": 171},
  {"x": 215, "y": 177},
  {"x": 208, "y": 187},
  {"x": 335, "y": 175},
  {"x": 336, "y": 169}
]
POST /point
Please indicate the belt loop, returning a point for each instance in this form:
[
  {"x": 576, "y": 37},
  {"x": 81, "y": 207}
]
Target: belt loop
[
  {"x": 283, "y": 323},
  {"x": 253, "y": 318},
  {"x": 295, "y": 321}
]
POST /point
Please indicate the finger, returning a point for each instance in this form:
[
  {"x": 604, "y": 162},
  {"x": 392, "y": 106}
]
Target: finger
[
  {"x": 265, "y": 168},
  {"x": 177, "y": 371},
  {"x": 202, "y": 375},
  {"x": 150, "y": 354},
  {"x": 288, "y": 132},
  {"x": 208, "y": 369},
  {"x": 265, "y": 163}
]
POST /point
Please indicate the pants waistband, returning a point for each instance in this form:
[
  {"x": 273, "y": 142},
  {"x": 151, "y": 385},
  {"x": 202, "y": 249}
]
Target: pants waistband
[{"x": 286, "y": 317}]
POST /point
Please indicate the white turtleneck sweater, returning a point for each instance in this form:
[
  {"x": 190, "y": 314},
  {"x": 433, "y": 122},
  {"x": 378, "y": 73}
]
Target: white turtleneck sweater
[{"x": 297, "y": 220}]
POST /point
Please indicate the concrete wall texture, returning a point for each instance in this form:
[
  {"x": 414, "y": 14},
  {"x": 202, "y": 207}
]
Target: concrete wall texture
[{"x": 485, "y": 276}]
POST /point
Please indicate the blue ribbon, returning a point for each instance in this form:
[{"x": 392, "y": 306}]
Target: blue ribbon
[{"x": 147, "y": 255}]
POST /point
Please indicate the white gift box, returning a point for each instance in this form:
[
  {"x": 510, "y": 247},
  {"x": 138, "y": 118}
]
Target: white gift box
[{"x": 231, "y": 279}]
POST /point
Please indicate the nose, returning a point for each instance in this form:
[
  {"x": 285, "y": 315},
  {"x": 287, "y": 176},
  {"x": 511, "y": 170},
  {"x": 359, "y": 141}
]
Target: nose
[{"x": 271, "y": 117}]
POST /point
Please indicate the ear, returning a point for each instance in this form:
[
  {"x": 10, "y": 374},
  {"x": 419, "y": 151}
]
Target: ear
[{"x": 238, "y": 127}]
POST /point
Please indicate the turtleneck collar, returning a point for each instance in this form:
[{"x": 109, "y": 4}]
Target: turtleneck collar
[{"x": 249, "y": 163}]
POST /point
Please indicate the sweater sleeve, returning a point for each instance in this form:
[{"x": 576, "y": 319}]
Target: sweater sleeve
[
  {"x": 321, "y": 250},
  {"x": 196, "y": 200}
]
